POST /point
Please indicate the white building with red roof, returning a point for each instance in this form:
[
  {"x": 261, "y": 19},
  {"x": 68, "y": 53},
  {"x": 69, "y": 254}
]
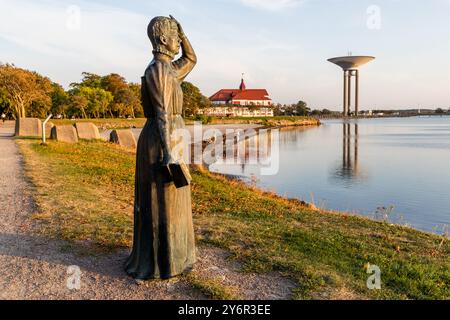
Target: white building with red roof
[{"x": 241, "y": 102}]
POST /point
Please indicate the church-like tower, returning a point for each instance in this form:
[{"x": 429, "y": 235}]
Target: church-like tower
[{"x": 242, "y": 87}]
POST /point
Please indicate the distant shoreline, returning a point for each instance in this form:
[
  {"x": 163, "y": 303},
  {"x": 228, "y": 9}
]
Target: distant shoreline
[
  {"x": 120, "y": 123},
  {"x": 382, "y": 117}
]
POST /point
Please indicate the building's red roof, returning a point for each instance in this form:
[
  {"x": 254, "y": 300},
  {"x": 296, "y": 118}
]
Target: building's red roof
[
  {"x": 228, "y": 95},
  {"x": 236, "y": 94},
  {"x": 223, "y": 95},
  {"x": 252, "y": 94}
]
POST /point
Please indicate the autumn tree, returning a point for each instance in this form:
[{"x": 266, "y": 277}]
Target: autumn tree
[
  {"x": 24, "y": 90},
  {"x": 113, "y": 83},
  {"x": 24, "y": 93},
  {"x": 129, "y": 101},
  {"x": 125, "y": 99},
  {"x": 77, "y": 105}
]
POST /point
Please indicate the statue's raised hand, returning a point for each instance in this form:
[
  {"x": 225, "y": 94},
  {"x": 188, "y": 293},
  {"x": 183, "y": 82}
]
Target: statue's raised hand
[{"x": 180, "y": 28}]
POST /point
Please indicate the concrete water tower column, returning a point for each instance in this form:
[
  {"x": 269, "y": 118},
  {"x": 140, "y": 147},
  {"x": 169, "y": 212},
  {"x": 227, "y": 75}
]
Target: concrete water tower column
[{"x": 351, "y": 65}]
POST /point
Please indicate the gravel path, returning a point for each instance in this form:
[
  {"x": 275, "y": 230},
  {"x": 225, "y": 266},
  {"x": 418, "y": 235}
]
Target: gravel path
[{"x": 33, "y": 267}]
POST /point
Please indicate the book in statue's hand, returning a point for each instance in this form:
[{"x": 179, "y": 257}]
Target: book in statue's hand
[{"x": 180, "y": 174}]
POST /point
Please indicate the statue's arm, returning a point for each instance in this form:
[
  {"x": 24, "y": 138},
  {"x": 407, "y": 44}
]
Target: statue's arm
[
  {"x": 161, "y": 89},
  {"x": 188, "y": 60}
]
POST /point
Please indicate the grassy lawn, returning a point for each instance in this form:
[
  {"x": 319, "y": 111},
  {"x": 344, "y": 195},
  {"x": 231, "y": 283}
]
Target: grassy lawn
[
  {"x": 105, "y": 123},
  {"x": 139, "y": 123},
  {"x": 267, "y": 121},
  {"x": 85, "y": 192}
]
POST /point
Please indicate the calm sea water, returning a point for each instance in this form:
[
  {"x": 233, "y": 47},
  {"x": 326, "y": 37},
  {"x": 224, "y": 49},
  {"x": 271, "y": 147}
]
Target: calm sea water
[{"x": 359, "y": 166}]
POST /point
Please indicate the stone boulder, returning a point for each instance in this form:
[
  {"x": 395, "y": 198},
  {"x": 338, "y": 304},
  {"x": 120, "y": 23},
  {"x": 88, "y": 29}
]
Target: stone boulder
[
  {"x": 64, "y": 134},
  {"x": 28, "y": 127},
  {"x": 124, "y": 138},
  {"x": 87, "y": 131}
]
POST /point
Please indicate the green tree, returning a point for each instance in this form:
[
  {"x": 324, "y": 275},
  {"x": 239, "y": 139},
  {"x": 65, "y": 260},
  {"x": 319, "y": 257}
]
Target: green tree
[
  {"x": 278, "y": 110},
  {"x": 60, "y": 100},
  {"x": 193, "y": 99},
  {"x": 90, "y": 80},
  {"x": 5, "y": 106},
  {"x": 98, "y": 101},
  {"x": 89, "y": 102},
  {"x": 301, "y": 108},
  {"x": 125, "y": 97},
  {"x": 138, "y": 110}
]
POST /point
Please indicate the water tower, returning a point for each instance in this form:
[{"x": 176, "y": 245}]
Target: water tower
[{"x": 350, "y": 65}]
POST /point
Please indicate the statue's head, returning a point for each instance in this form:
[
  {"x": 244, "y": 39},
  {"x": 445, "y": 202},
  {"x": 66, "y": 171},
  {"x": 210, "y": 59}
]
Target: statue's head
[{"x": 163, "y": 33}]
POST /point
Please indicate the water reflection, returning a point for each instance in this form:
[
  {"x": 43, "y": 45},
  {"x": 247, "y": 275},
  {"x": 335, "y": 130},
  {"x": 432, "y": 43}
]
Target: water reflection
[
  {"x": 348, "y": 170},
  {"x": 292, "y": 136},
  {"x": 241, "y": 151},
  {"x": 359, "y": 166}
]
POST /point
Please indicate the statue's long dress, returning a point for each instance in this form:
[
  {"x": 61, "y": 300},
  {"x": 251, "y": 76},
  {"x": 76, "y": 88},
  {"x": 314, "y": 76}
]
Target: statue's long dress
[{"x": 164, "y": 244}]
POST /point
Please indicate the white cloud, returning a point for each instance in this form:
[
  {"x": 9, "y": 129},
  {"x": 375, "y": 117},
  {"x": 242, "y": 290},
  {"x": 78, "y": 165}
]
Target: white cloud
[
  {"x": 272, "y": 5},
  {"x": 107, "y": 39}
]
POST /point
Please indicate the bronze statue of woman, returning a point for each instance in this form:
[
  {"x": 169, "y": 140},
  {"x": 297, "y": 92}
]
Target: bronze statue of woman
[{"x": 164, "y": 244}]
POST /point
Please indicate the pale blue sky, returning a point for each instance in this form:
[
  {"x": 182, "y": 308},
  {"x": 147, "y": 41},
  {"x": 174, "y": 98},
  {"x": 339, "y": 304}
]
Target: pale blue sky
[{"x": 280, "y": 45}]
